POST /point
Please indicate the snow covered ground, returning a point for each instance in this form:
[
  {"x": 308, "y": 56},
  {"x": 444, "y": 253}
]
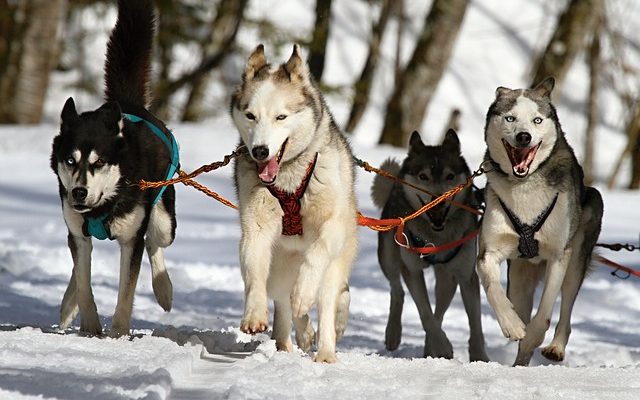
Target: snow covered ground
[{"x": 197, "y": 350}]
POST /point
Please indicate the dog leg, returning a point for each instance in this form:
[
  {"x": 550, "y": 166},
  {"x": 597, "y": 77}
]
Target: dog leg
[
  {"x": 130, "y": 258},
  {"x": 282, "y": 325},
  {"x": 69, "y": 308},
  {"x": 255, "y": 256},
  {"x": 159, "y": 235},
  {"x": 305, "y": 336},
  {"x": 523, "y": 279},
  {"x": 342, "y": 313},
  {"x": 446, "y": 286},
  {"x": 89, "y": 321},
  {"x": 470, "y": 292},
  {"x": 389, "y": 259},
  {"x": 436, "y": 342},
  {"x": 536, "y": 329},
  {"x": 488, "y": 267}
]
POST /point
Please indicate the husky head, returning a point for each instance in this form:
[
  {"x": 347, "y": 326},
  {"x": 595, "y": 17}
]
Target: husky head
[
  {"x": 85, "y": 155},
  {"x": 276, "y": 111},
  {"x": 521, "y": 128},
  {"x": 436, "y": 169}
]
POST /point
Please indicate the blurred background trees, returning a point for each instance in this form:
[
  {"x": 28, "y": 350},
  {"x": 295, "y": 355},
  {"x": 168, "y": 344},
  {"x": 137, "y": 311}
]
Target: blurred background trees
[{"x": 201, "y": 50}]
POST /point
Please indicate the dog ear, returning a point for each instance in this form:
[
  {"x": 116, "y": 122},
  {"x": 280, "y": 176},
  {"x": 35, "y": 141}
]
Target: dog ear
[
  {"x": 451, "y": 141},
  {"x": 296, "y": 66},
  {"x": 69, "y": 115},
  {"x": 255, "y": 63},
  {"x": 415, "y": 141},
  {"x": 501, "y": 91},
  {"x": 112, "y": 116},
  {"x": 545, "y": 87}
]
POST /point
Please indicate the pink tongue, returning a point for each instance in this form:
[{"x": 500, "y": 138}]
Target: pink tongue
[{"x": 269, "y": 170}]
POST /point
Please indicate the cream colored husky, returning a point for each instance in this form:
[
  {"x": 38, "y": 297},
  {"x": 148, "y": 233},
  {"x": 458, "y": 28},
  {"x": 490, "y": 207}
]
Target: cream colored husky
[{"x": 297, "y": 205}]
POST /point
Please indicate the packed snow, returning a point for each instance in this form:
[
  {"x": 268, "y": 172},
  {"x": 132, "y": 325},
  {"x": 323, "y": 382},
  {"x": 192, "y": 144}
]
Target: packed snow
[{"x": 197, "y": 350}]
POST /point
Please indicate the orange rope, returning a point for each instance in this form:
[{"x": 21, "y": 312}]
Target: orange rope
[{"x": 369, "y": 168}]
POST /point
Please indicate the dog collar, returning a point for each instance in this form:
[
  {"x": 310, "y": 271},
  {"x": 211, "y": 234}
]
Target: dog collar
[
  {"x": 433, "y": 258},
  {"x": 291, "y": 203},
  {"x": 98, "y": 227},
  {"x": 528, "y": 245}
]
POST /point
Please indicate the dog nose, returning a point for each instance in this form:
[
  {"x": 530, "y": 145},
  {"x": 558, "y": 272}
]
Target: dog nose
[
  {"x": 79, "y": 193},
  {"x": 523, "y": 138},
  {"x": 260, "y": 153}
]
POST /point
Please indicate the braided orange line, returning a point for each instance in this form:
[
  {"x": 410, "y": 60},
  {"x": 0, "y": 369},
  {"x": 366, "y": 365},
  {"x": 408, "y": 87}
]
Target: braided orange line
[{"x": 369, "y": 168}]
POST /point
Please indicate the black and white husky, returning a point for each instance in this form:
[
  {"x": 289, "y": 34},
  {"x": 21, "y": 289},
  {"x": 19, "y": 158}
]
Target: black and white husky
[
  {"x": 98, "y": 157},
  {"x": 540, "y": 217}
]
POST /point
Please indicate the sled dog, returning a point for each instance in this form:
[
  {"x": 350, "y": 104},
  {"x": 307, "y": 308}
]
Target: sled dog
[
  {"x": 436, "y": 169},
  {"x": 540, "y": 217},
  {"x": 297, "y": 205},
  {"x": 98, "y": 157}
]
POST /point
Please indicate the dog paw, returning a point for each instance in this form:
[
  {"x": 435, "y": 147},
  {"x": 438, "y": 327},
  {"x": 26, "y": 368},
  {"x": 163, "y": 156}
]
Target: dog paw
[
  {"x": 284, "y": 346},
  {"x": 118, "y": 332},
  {"x": 392, "y": 336},
  {"x": 478, "y": 353},
  {"x": 254, "y": 322},
  {"x": 328, "y": 357},
  {"x": 437, "y": 345},
  {"x": 512, "y": 326},
  {"x": 301, "y": 302},
  {"x": 90, "y": 325},
  {"x": 163, "y": 290},
  {"x": 553, "y": 353},
  {"x": 305, "y": 339}
]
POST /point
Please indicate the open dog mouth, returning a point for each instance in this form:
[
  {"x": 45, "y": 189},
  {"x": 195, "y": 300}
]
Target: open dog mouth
[
  {"x": 81, "y": 208},
  {"x": 268, "y": 171},
  {"x": 437, "y": 215},
  {"x": 521, "y": 158}
]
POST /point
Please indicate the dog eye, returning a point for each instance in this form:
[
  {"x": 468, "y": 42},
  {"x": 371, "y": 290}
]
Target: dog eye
[
  {"x": 250, "y": 116},
  {"x": 450, "y": 177},
  {"x": 423, "y": 177},
  {"x": 510, "y": 118},
  {"x": 281, "y": 117},
  {"x": 537, "y": 120},
  {"x": 99, "y": 163},
  {"x": 70, "y": 161}
]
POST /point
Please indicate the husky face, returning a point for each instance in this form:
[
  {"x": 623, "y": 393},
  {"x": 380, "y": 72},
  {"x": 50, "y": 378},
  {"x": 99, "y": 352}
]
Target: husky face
[
  {"x": 436, "y": 169},
  {"x": 86, "y": 153},
  {"x": 522, "y": 128},
  {"x": 275, "y": 112}
]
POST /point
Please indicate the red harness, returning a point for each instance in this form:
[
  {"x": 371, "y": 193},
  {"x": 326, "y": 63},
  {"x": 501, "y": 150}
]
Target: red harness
[{"x": 291, "y": 203}]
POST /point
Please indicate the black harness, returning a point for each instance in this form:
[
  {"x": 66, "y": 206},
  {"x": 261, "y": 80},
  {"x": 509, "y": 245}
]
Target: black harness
[{"x": 528, "y": 245}]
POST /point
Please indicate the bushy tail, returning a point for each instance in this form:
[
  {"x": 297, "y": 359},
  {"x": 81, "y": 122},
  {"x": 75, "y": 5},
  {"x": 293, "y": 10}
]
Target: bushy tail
[
  {"x": 129, "y": 53},
  {"x": 381, "y": 188}
]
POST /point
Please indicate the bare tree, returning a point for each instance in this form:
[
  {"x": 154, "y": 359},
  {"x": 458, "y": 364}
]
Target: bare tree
[
  {"x": 569, "y": 39},
  {"x": 318, "y": 45},
  {"x": 224, "y": 29},
  {"x": 415, "y": 88},
  {"x": 28, "y": 53},
  {"x": 362, "y": 87},
  {"x": 595, "y": 72}
]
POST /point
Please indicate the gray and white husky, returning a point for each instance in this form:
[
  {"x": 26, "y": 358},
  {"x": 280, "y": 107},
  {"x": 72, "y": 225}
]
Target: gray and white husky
[
  {"x": 437, "y": 169},
  {"x": 297, "y": 205},
  {"x": 97, "y": 157},
  {"x": 540, "y": 217}
]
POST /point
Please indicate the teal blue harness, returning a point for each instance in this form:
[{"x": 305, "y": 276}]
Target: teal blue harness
[{"x": 97, "y": 226}]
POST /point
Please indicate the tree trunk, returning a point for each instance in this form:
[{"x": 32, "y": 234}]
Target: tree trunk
[
  {"x": 318, "y": 45},
  {"x": 592, "y": 103},
  {"x": 413, "y": 92},
  {"x": 633, "y": 148},
  {"x": 28, "y": 53},
  {"x": 573, "y": 29},
  {"x": 363, "y": 85},
  {"x": 224, "y": 29},
  {"x": 402, "y": 21}
]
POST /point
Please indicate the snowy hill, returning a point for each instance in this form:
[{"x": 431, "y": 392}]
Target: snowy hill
[{"x": 197, "y": 350}]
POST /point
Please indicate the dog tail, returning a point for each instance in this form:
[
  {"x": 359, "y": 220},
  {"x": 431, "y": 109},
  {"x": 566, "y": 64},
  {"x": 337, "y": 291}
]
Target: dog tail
[
  {"x": 129, "y": 49},
  {"x": 381, "y": 188}
]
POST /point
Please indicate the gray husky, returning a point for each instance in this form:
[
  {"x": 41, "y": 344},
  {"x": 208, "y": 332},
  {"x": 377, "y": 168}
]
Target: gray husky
[
  {"x": 540, "y": 217},
  {"x": 437, "y": 169},
  {"x": 297, "y": 205}
]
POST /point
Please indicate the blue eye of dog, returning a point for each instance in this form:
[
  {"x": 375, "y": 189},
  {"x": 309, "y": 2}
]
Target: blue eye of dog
[
  {"x": 70, "y": 161},
  {"x": 250, "y": 116},
  {"x": 281, "y": 117},
  {"x": 510, "y": 118},
  {"x": 537, "y": 120},
  {"x": 423, "y": 177}
]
